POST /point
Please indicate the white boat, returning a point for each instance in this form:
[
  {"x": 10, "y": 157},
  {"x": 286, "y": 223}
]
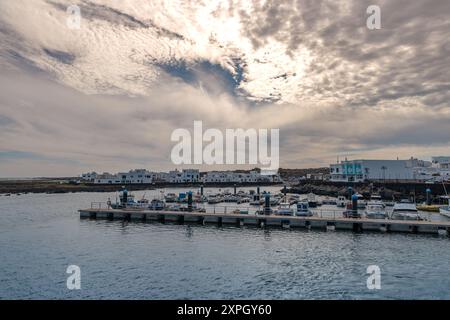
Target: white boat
[
  {"x": 312, "y": 202},
  {"x": 284, "y": 209},
  {"x": 157, "y": 204},
  {"x": 303, "y": 209},
  {"x": 170, "y": 197},
  {"x": 405, "y": 211},
  {"x": 361, "y": 202},
  {"x": 341, "y": 202},
  {"x": 445, "y": 211},
  {"x": 376, "y": 210}
]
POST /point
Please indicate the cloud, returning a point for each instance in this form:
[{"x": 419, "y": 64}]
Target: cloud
[{"x": 108, "y": 96}]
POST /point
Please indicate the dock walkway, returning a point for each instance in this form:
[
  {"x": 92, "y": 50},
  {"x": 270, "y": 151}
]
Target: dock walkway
[{"x": 314, "y": 222}]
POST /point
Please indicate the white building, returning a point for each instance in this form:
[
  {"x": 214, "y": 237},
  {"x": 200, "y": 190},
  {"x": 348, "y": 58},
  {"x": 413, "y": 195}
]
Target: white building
[
  {"x": 89, "y": 177},
  {"x": 185, "y": 176},
  {"x": 238, "y": 177},
  {"x": 131, "y": 177},
  {"x": 370, "y": 170}
]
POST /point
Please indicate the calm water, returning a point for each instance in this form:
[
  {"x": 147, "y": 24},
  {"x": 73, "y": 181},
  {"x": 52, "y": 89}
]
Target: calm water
[{"x": 40, "y": 235}]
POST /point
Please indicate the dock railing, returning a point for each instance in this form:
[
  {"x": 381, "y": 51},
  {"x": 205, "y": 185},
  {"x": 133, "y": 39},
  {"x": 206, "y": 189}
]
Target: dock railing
[
  {"x": 100, "y": 205},
  {"x": 227, "y": 209}
]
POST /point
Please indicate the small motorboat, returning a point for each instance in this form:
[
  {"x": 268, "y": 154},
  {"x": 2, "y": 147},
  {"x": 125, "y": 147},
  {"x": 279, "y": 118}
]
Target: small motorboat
[
  {"x": 284, "y": 209},
  {"x": 376, "y": 210},
  {"x": 157, "y": 204},
  {"x": 240, "y": 211},
  {"x": 405, "y": 211},
  {"x": 351, "y": 214},
  {"x": 312, "y": 201},
  {"x": 445, "y": 211},
  {"x": 341, "y": 202},
  {"x": 170, "y": 198},
  {"x": 303, "y": 209}
]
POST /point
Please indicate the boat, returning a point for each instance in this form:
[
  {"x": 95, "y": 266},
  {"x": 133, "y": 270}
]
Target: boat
[
  {"x": 240, "y": 211},
  {"x": 303, "y": 209},
  {"x": 243, "y": 200},
  {"x": 257, "y": 202},
  {"x": 274, "y": 201},
  {"x": 312, "y": 202},
  {"x": 214, "y": 199},
  {"x": 389, "y": 203},
  {"x": 428, "y": 208},
  {"x": 445, "y": 211},
  {"x": 284, "y": 209},
  {"x": 170, "y": 197},
  {"x": 405, "y": 211},
  {"x": 157, "y": 204},
  {"x": 361, "y": 203},
  {"x": 341, "y": 202},
  {"x": 231, "y": 198},
  {"x": 376, "y": 210},
  {"x": 329, "y": 201},
  {"x": 350, "y": 213}
]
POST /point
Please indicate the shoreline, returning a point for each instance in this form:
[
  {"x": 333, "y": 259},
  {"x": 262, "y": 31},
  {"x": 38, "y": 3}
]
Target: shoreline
[
  {"x": 387, "y": 190},
  {"x": 56, "y": 186}
]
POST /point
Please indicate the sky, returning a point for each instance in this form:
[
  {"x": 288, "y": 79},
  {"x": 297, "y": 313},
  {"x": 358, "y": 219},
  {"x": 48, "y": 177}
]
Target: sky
[{"x": 108, "y": 95}]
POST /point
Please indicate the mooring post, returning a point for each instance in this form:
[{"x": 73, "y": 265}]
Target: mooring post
[
  {"x": 355, "y": 205},
  {"x": 267, "y": 204},
  {"x": 190, "y": 201},
  {"x": 428, "y": 191}
]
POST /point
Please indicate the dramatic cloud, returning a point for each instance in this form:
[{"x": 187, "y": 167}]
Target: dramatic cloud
[{"x": 108, "y": 95}]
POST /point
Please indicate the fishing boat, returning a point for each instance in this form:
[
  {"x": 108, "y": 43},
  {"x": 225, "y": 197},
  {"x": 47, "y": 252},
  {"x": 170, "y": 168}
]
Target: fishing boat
[
  {"x": 376, "y": 210},
  {"x": 405, "y": 211},
  {"x": 303, "y": 209}
]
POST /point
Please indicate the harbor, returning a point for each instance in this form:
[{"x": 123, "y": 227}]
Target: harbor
[
  {"x": 271, "y": 210},
  {"x": 125, "y": 256}
]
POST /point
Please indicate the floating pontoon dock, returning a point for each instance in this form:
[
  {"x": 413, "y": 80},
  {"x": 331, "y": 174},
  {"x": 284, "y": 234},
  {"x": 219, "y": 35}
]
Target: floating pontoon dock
[{"x": 314, "y": 222}]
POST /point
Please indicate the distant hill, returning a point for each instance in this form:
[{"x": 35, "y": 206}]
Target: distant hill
[{"x": 284, "y": 173}]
